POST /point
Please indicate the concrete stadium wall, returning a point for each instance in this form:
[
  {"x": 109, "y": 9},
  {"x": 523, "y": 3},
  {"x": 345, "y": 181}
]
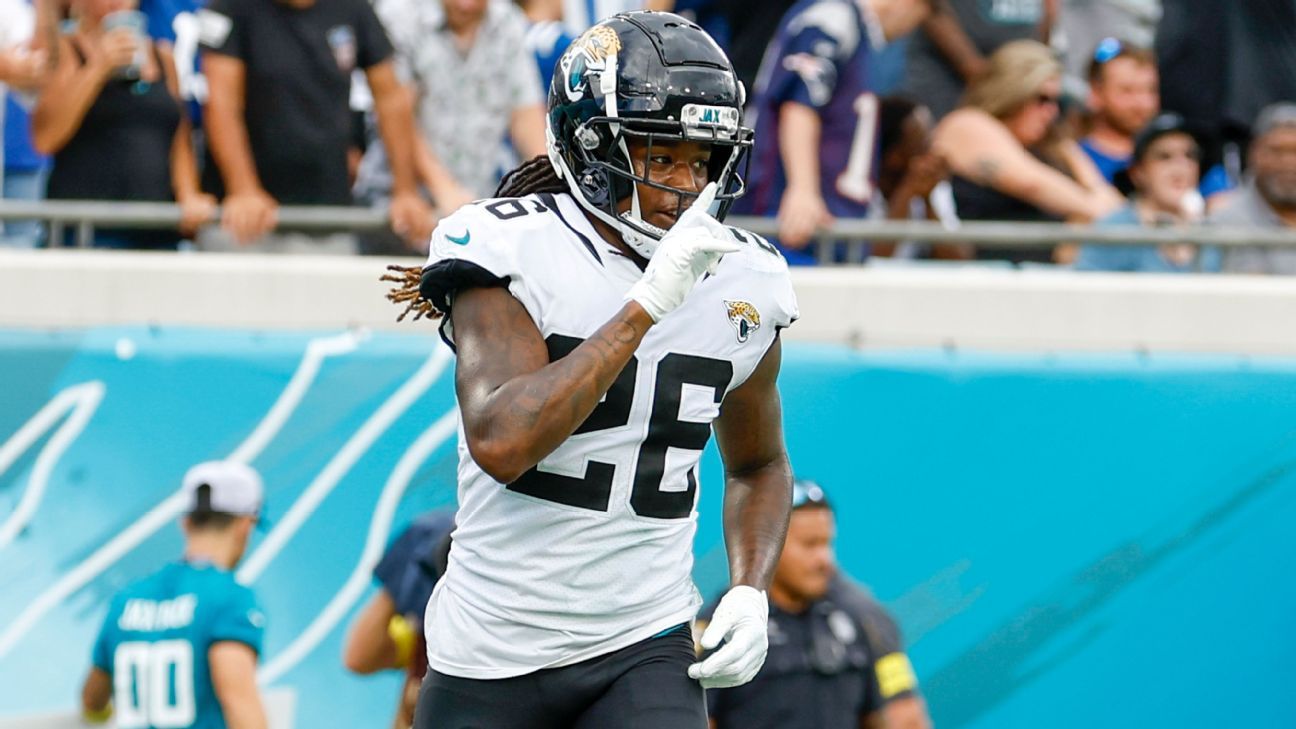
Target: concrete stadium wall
[
  {"x": 875, "y": 307},
  {"x": 1069, "y": 539}
]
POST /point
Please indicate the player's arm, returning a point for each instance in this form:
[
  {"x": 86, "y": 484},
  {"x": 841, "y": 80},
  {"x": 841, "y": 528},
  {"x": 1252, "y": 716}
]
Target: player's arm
[
  {"x": 758, "y": 478},
  {"x": 95, "y": 694},
  {"x": 517, "y": 406},
  {"x": 758, "y": 499},
  {"x": 233, "y": 673}
]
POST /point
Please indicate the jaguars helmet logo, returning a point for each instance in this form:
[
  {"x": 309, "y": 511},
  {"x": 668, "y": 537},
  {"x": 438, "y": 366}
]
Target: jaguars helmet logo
[
  {"x": 745, "y": 318},
  {"x": 587, "y": 53}
]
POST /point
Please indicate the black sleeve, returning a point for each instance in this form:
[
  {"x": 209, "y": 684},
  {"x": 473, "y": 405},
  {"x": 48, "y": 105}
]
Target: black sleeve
[
  {"x": 883, "y": 633},
  {"x": 374, "y": 45},
  {"x": 872, "y": 701},
  {"x": 222, "y": 26},
  {"x": 442, "y": 279},
  {"x": 445, "y": 277},
  {"x": 892, "y": 676}
]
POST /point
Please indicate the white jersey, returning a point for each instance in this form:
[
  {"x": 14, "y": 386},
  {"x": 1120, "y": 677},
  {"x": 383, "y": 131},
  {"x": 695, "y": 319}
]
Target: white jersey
[{"x": 592, "y": 550}]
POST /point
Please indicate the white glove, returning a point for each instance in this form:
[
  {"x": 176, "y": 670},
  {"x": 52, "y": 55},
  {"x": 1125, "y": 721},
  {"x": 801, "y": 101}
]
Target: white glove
[
  {"x": 740, "y": 620},
  {"x": 693, "y": 246}
]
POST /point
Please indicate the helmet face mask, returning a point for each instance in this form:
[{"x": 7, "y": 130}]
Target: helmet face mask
[{"x": 650, "y": 81}]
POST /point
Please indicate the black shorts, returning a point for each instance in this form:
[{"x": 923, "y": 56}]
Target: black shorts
[{"x": 643, "y": 686}]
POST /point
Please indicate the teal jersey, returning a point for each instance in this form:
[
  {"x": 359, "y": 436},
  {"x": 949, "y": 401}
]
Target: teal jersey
[{"x": 155, "y": 639}]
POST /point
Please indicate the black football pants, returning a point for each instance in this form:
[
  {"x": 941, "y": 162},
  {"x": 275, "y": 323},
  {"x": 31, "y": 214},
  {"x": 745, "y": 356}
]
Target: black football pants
[{"x": 643, "y": 686}]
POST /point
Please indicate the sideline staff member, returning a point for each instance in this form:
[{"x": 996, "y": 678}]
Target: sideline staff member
[
  {"x": 835, "y": 659},
  {"x": 179, "y": 648},
  {"x": 388, "y": 631}
]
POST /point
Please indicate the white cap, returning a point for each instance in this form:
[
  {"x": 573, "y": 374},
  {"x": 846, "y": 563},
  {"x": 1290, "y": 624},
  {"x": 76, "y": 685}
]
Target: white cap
[{"x": 235, "y": 487}]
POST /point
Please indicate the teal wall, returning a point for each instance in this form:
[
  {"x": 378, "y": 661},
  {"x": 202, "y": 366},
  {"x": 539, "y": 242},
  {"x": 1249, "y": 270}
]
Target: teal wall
[{"x": 1067, "y": 540}]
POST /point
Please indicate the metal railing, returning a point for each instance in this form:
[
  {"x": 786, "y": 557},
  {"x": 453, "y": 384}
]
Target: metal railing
[{"x": 85, "y": 215}]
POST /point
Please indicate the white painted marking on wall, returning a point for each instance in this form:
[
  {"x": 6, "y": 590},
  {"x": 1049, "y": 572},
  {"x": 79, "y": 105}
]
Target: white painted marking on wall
[
  {"x": 171, "y": 507},
  {"x": 357, "y": 445},
  {"x": 442, "y": 430},
  {"x": 83, "y": 400}
]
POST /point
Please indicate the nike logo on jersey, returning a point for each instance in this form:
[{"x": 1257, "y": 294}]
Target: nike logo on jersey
[
  {"x": 744, "y": 316},
  {"x": 461, "y": 241}
]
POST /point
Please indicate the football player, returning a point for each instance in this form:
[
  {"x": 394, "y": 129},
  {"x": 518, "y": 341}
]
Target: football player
[{"x": 603, "y": 320}]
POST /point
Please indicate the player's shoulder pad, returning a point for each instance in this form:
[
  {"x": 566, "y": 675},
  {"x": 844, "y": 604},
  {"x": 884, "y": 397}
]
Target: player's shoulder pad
[
  {"x": 480, "y": 245},
  {"x": 757, "y": 253},
  {"x": 836, "y": 20},
  {"x": 759, "y": 260},
  {"x": 493, "y": 223}
]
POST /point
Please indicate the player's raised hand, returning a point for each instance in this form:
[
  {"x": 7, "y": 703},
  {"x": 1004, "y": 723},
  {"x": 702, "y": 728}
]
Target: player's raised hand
[
  {"x": 692, "y": 247},
  {"x": 740, "y": 620}
]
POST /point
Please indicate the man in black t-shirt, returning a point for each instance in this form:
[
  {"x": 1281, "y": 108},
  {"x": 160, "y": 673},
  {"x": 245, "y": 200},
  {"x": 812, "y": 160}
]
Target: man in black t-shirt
[
  {"x": 835, "y": 657},
  {"x": 278, "y": 119}
]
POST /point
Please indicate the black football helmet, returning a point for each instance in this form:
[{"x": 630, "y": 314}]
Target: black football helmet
[{"x": 652, "y": 76}]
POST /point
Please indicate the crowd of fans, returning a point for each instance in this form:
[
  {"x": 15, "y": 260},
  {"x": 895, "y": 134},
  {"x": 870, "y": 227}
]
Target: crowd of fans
[{"x": 948, "y": 110}]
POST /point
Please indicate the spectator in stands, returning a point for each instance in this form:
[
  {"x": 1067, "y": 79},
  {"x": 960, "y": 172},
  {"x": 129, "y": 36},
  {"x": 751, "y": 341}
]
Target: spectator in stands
[
  {"x": 835, "y": 655},
  {"x": 25, "y": 172},
  {"x": 546, "y": 37},
  {"x": 952, "y": 49},
  {"x": 913, "y": 183},
  {"x": 1009, "y": 159},
  {"x": 1163, "y": 177},
  {"x": 1123, "y": 98},
  {"x": 388, "y": 632},
  {"x": 816, "y": 119},
  {"x": 1267, "y": 199},
  {"x": 579, "y": 15},
  {"x": 21, "y": 168},
  {"x": 1082, "y": 24},
  {"x": 752, "y": 25},
  {"x": 475, "y": 83},
  {"x": 111, "y": 117},
  {"x": 176, "y": 22},
  {"x": 278, "y": 118},
  {"x": 1222, "y": 61},
  {"x": 179, "y": 648}
]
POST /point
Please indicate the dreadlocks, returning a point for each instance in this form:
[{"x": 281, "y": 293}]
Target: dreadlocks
[
  {"x": 406, "y": 292},
  {"x": 533, "y": 176}
]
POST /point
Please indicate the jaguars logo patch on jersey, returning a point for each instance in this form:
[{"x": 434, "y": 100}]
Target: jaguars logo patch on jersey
[{"x": 745, "y": 318}]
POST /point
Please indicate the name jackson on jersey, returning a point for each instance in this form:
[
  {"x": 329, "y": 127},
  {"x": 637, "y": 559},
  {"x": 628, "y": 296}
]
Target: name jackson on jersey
[{"x": 609, "y": 517}]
